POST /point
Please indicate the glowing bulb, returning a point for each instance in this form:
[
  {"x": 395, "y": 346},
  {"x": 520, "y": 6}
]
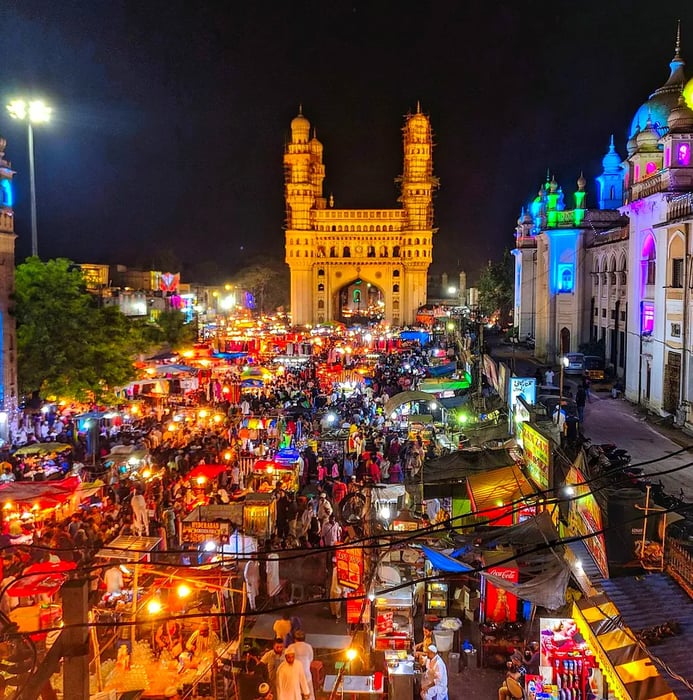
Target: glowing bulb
[
  {"x": 184, "y": 591},
  {"x": 227, "y": 456},
  {"x": 154, "y": 606},
  {"x": 351, "y": 654},
  {"x": 200, "y": 480},
  {"x": 202, "y": 413},
  {"x": 385, "y": 513},
  {"x": 210, "y": 546}
]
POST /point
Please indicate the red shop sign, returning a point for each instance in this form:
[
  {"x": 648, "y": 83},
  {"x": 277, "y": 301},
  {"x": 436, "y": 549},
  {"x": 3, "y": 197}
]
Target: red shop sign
[
  {"x": 500, "y": 605},
  {"x": 349, "y": 567}
]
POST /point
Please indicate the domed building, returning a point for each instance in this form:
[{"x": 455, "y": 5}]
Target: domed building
[
  {"x": 358, "y": 265},
  {"x": 613, "y": 275}
]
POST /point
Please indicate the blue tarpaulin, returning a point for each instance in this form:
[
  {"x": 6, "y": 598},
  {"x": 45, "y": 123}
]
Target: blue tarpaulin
[{"x": 442, "y": 562}]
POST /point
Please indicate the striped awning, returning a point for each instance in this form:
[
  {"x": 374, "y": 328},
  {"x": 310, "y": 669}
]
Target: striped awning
[{"x": 629, "y": 669}]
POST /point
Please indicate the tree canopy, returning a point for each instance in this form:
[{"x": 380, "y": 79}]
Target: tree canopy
[
  {"x": 268, "y": 283},
  {"x": 496, "y": 287},
  {"x": 68, "y": 345}
]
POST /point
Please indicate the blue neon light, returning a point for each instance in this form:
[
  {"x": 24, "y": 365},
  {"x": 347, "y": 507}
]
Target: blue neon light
[
  {"x": 562, "y": 259},
  {"x": 7, "y": 195}
]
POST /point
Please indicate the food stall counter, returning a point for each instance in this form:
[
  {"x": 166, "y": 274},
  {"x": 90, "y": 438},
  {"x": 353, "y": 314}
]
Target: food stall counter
[
  {"x": 354, "y": 687},
  {"x": 130, "y": 548}
]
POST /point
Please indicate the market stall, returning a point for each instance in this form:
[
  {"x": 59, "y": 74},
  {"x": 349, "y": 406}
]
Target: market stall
[{"x": 259, "y": 515}]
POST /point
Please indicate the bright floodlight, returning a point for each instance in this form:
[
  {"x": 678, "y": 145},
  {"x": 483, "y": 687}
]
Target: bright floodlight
[{"x": 36, "y": 111}]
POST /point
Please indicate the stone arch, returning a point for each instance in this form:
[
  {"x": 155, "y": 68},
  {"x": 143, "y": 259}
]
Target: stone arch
[{"x": 564, "y": 341}]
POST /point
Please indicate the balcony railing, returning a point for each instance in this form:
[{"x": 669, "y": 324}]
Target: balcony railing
[
  {"x": 679, "y": 565},
  {"x": 680, "y": 206},
  {"x": 652, "y": 185}
]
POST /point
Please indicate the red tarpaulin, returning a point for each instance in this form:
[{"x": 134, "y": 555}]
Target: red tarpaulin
[
  {"x": 44, "y": 578},
  {"x": 51, "y": 492},
  {"x": 208, "y": 471}
]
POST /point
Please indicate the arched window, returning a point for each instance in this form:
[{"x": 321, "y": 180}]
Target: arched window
[
  {"x": 395, "y": 252},
  {"x": 417, "y": 241},
  {"x": 395, "y": 288},
  {"x": 321, "y": 304},
  {"x": 649, "y": 260},
  {"x": 395, "y": 273},
  {"x": 321, "y": 272},
  {"x": 333, "y": 252},
  {"x": 383, "y": 251},
  {"x": 321, "y": 287},
  {"x": 347, "y": 252},
  {"x": 371, "y": 251},
  {"x": 417, "y": 253}
]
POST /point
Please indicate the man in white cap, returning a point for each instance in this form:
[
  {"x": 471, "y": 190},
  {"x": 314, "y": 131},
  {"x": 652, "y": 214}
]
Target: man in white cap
[
  {"x": 304, "y": 656},
  {"x": 264, "y": 692},
  {"x": 292, "y": 683},
  {"x": 434, "y": 685}
]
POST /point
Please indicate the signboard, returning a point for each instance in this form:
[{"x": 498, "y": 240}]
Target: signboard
[
  {"x": 537, "y": 455},
  {"x": 200, "y": 532},
  {"x": 349, "y": 567},
  {"x": 526, "y": 387},
  {"x": 499, "y": 604},
  {"x": 354, "y": 605},
  {"x": 585, "y": 518}
]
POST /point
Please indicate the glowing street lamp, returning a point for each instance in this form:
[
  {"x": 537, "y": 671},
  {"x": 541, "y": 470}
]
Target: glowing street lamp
[{"x": 34, "y": 112}]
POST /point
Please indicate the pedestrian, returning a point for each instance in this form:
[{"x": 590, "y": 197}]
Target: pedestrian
[
  {"x": 586, "y": 387},
  {"x": 272, "y": 659},
  {"x": 292, "y": 683},
  {"x": 434, "y": 685},
  {"x": 580, "y": 400},
  {"x": 282, "y": 626},
  {"x": 548, "y": 376},
  {"x": 304, "y": 656}
]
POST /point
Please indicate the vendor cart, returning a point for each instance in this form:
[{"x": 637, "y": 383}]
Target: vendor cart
[
  {"x": 259, "y": 515},
  {"x": 271, "y": 474},
  {"x": 394, "y": 620}
]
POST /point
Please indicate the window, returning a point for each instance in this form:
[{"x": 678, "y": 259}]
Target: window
[
  {"x": 395, "y": 252},
  {"x": 395, "y": 288},
  {"x": 596, "y": 312},
  {"x": 675, "y": 330},
  {"x": 321, "y": 272},
  {"x": 395, "y": 273},
  {"x": 347, "y": 252},
  {"x": 647, "y": 317},
  {"x": 371, "y": 251},
  {"x": 321, "y": 304},
  {"x": 677, "y": 273},
  {"x": 603, "y": 313},
  {"x": 613, "y": 314},
  {"x": 321, "y": 287}
]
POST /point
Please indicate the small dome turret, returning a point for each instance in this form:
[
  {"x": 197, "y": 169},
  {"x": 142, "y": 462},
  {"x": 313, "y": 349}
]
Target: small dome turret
[
  {"x": 648, "y": 139},
  {"x": 611, "y": 162},
  {"x": 681, "y": 117},
  {"x": 300, "y": 128}
]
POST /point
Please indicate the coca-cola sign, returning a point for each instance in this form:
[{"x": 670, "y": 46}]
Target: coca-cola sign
[{"x": 503, "y": 572}]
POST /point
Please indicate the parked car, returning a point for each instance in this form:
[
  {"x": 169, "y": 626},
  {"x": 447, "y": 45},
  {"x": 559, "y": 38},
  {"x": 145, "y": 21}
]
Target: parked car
[
  {"x": 550, "y": 401},
  {"x": 576, "y": 363},
  {"x": 594, "y": 367}
]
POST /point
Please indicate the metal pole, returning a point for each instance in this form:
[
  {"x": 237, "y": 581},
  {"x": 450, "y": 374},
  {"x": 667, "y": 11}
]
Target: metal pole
[{"x": 32, "y": 189}]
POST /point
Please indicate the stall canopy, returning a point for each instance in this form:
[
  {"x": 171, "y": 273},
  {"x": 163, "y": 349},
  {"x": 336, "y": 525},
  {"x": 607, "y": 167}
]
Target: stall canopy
[
  {"x": 436, "y": 386},
  {"x": 439, "y": 473},
  {"x": 444, "y": 562},
  {"x": 45, "y": 578},
  {"x": 42, "y": 448},
  {"x": 404, "y": 397},
  {"x": 43, "y": 493},
  {"x": 206, "y": 471},
  {"x": 631, "y": 672},
  {"x": 499, "y": 487}
]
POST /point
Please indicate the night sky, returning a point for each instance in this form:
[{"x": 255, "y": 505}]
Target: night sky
[{"x": 170, "y": 117}]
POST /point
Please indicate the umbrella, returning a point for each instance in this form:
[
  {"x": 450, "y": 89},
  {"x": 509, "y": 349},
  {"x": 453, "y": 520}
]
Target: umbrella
[{"x": 42, "y": 448}]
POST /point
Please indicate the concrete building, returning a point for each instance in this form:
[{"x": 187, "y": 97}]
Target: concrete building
[
  {"x": 8, "y": 328},
  {"x": 358, "y": 265}
]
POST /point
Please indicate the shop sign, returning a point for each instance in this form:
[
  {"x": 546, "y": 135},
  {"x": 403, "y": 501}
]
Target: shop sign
[
  {"x": 537, "y": 455},
  {"x": 355, "y": 602},
  {"x": 526, "y": 387},
  {"x": 201, "y": 531},
  {"x": 349, "y": 567},
  {"x": 585, "y": 518},
  {"x": 499, "y": 604}
]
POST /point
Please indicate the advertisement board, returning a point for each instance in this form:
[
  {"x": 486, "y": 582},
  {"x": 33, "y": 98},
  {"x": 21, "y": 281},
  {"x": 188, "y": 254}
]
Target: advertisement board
[
  {"x": 349, "y": 567},
  {"x": 537, "y": 451},
  {"x": 200, "y": 531},
  {"x": 526, "y": 387},
  {"x": 499, "y": 604},
  {"x": 355, "y": 604},
  {"x": 585, "y": 518}
]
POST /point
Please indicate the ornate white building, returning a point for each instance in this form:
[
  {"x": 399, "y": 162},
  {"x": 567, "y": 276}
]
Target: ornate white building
[
  {"x": 625, "y": 274},
  {"x": 358, "y": 264}
]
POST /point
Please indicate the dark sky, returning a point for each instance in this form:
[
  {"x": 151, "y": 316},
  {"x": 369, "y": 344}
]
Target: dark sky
[{"x": 170, "y": 117}]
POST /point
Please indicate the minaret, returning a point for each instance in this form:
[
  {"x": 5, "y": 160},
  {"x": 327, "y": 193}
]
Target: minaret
[
  {"x": 417, "y": 185},
  {"x": 8, "y": 330},
  {"x": 611, "y": 180},
  {"x": 299, "y": 188}
]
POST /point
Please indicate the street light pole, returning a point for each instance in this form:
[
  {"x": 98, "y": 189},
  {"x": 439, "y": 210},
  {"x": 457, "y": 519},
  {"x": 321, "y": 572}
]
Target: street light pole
[
  {"x": 34, "y": 112},
  {"x": 32, "y": 188}
]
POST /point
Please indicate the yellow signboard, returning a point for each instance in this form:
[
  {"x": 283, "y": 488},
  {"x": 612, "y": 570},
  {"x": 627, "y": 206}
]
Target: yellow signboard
[{"x": 537, "y": 453}]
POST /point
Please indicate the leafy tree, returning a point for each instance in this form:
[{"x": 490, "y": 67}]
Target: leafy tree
[
  {"x": 495, "y": 286},
  {"x": 269, "y": 284},
  {"x": 67, "y": 345},
  {"x": 169, "y": 329}
]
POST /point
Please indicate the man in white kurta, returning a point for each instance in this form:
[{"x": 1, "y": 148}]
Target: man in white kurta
[
  {"x": 292, "y": 683},
  {"x": 434, "y": 685},
  {"x": 304, "y": 656}
]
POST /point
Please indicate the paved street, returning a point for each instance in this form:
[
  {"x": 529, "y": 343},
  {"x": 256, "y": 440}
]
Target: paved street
[{"x": 617, "y": 421}]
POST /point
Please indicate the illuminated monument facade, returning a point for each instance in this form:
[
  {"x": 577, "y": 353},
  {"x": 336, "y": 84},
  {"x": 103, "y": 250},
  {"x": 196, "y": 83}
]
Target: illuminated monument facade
[
  {"x": 620, "y": 275},
  {"x": 8, "y": 331},
  {"x": 358, "y": 265}
]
